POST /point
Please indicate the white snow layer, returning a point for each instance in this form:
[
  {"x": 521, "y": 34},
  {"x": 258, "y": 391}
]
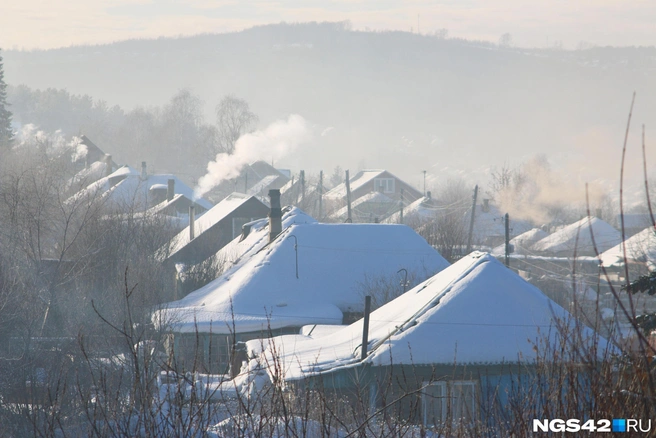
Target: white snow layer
[
  {"x": 261, "y": 289},
  {"x": 474, "y": 311},
  {"x": 639, "y": 248},
  {"x": 125, "y": 186},
  {"x": 565, "y": 239}
]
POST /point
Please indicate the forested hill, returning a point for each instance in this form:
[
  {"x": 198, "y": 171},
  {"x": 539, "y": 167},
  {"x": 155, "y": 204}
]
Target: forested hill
[{"x": 394, "y": 99}]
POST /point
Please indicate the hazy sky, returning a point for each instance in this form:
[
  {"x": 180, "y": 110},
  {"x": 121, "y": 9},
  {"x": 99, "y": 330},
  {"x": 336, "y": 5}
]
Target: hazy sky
[{"x": 536, "y": 23}]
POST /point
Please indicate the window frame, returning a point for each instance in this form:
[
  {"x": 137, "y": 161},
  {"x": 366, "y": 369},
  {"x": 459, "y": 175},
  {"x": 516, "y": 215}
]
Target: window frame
[{"x": 388, "y": 185}]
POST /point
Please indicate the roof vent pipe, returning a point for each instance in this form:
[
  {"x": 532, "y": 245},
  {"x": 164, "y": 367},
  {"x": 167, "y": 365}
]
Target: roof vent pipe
[
  {"x": 192, "y": 219},
  {"x": 275, "y": 215},
  {"x": 170, "y": 190}
]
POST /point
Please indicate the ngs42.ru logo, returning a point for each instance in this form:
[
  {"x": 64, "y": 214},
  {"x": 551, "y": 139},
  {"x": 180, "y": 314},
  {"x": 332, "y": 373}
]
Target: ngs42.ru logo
[{"x": 597, "y": 426}]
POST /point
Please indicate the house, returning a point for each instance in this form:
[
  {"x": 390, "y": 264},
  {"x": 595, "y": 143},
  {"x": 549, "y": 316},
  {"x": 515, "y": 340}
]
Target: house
[
  {"x": 522, "y": 244},
  {"x": 576, "y": 238},
  {"x": 367, "y": 181},
  {"x": 640, "y": 252},
  {"x": 127, "y": 188},
  {"x": 285, "y": 278},
  {"x": 462, "y": 335},
  {"x": 422, "y": 210},
  {"x": 369, "y": 208},
  {"x": 214, "y": 229}
]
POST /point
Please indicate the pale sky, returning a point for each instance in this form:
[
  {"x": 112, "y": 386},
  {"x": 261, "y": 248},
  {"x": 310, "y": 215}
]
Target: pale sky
[{"x": 32, "y": 24}]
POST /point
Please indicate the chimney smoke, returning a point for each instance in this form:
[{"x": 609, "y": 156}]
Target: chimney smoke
[{"x": 275, "y": 215}]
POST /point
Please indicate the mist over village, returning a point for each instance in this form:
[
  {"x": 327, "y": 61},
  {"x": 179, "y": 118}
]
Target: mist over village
[{"x": 404, "y": 219}]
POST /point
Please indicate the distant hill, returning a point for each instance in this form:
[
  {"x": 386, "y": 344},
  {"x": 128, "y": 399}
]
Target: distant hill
[{"x": 396, "y": 100}]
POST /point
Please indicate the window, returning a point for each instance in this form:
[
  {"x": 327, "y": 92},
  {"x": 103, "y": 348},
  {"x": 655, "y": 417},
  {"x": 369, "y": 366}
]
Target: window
[
  {"x": 385, "y": 185},
  {"x": 453, "y": 400}
]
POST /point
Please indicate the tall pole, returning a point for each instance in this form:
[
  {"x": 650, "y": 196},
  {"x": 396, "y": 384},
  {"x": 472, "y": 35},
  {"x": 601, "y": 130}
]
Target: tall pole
[
  {"x": 320, "y": 194},
  {"x": 246, "y": 182},
  {"x": 507, "y": 221},
  {"x": 365, "y": 327},
  {"x": 349, "y": 218},
  {"x": 471, "y": 219},
  {"x": 302, "y": 185}
]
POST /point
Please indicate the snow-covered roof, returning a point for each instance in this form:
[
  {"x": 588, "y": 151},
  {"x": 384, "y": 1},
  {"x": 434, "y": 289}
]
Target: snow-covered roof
[
  {"x": 565, "y": 239},
  {"x": 126, "y": 186},
  {"x": 639, "y": 248},
  {"x": 88, "y": 175},
  {"x": 422, "y": 209},
  {"x": 360, "y": 179},
  {"x": 262, "y": 184},
  {"x": 474, "y": 311},
  {"x": 261, "y": 289},
  {"x": 524, "y": 242},
  {"x": 210, "y": 218},
  {"x": 490, "y": 223}
]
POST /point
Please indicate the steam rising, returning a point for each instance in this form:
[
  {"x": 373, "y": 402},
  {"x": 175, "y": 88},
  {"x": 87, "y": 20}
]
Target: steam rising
[
  {"x": 80, "y": 150},
  {"x": 54, "y": 144},
  {"x": 536, "y": 192},
  {"x": 275, "y": 141}
]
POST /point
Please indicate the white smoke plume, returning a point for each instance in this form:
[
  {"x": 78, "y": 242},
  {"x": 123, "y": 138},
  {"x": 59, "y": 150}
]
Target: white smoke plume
[
  {"x": 275, "y": 141},
  {"x": 80, "y": 150}
]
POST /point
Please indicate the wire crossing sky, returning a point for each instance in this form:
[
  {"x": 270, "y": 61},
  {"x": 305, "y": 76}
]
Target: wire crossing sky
[{"x": 30, "y": 24}]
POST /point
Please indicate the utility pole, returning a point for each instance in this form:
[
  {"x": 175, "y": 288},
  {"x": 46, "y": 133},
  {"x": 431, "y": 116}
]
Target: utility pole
[
  {"x": 349, "y": 218},
  {"x": 246, "y": 182},
  {"x": 320, "y": 194},
  {"x": 471, "y": 219},
  {"x": 401, "y": 212},
  {"x": 507, "y": 221},
  {"x": 302, "y": 185}
]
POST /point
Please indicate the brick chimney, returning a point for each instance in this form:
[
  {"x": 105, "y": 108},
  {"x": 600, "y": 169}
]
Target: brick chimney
[
  {"x": 275, "y": 215},
  {"x": 170, "y": 190}
]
